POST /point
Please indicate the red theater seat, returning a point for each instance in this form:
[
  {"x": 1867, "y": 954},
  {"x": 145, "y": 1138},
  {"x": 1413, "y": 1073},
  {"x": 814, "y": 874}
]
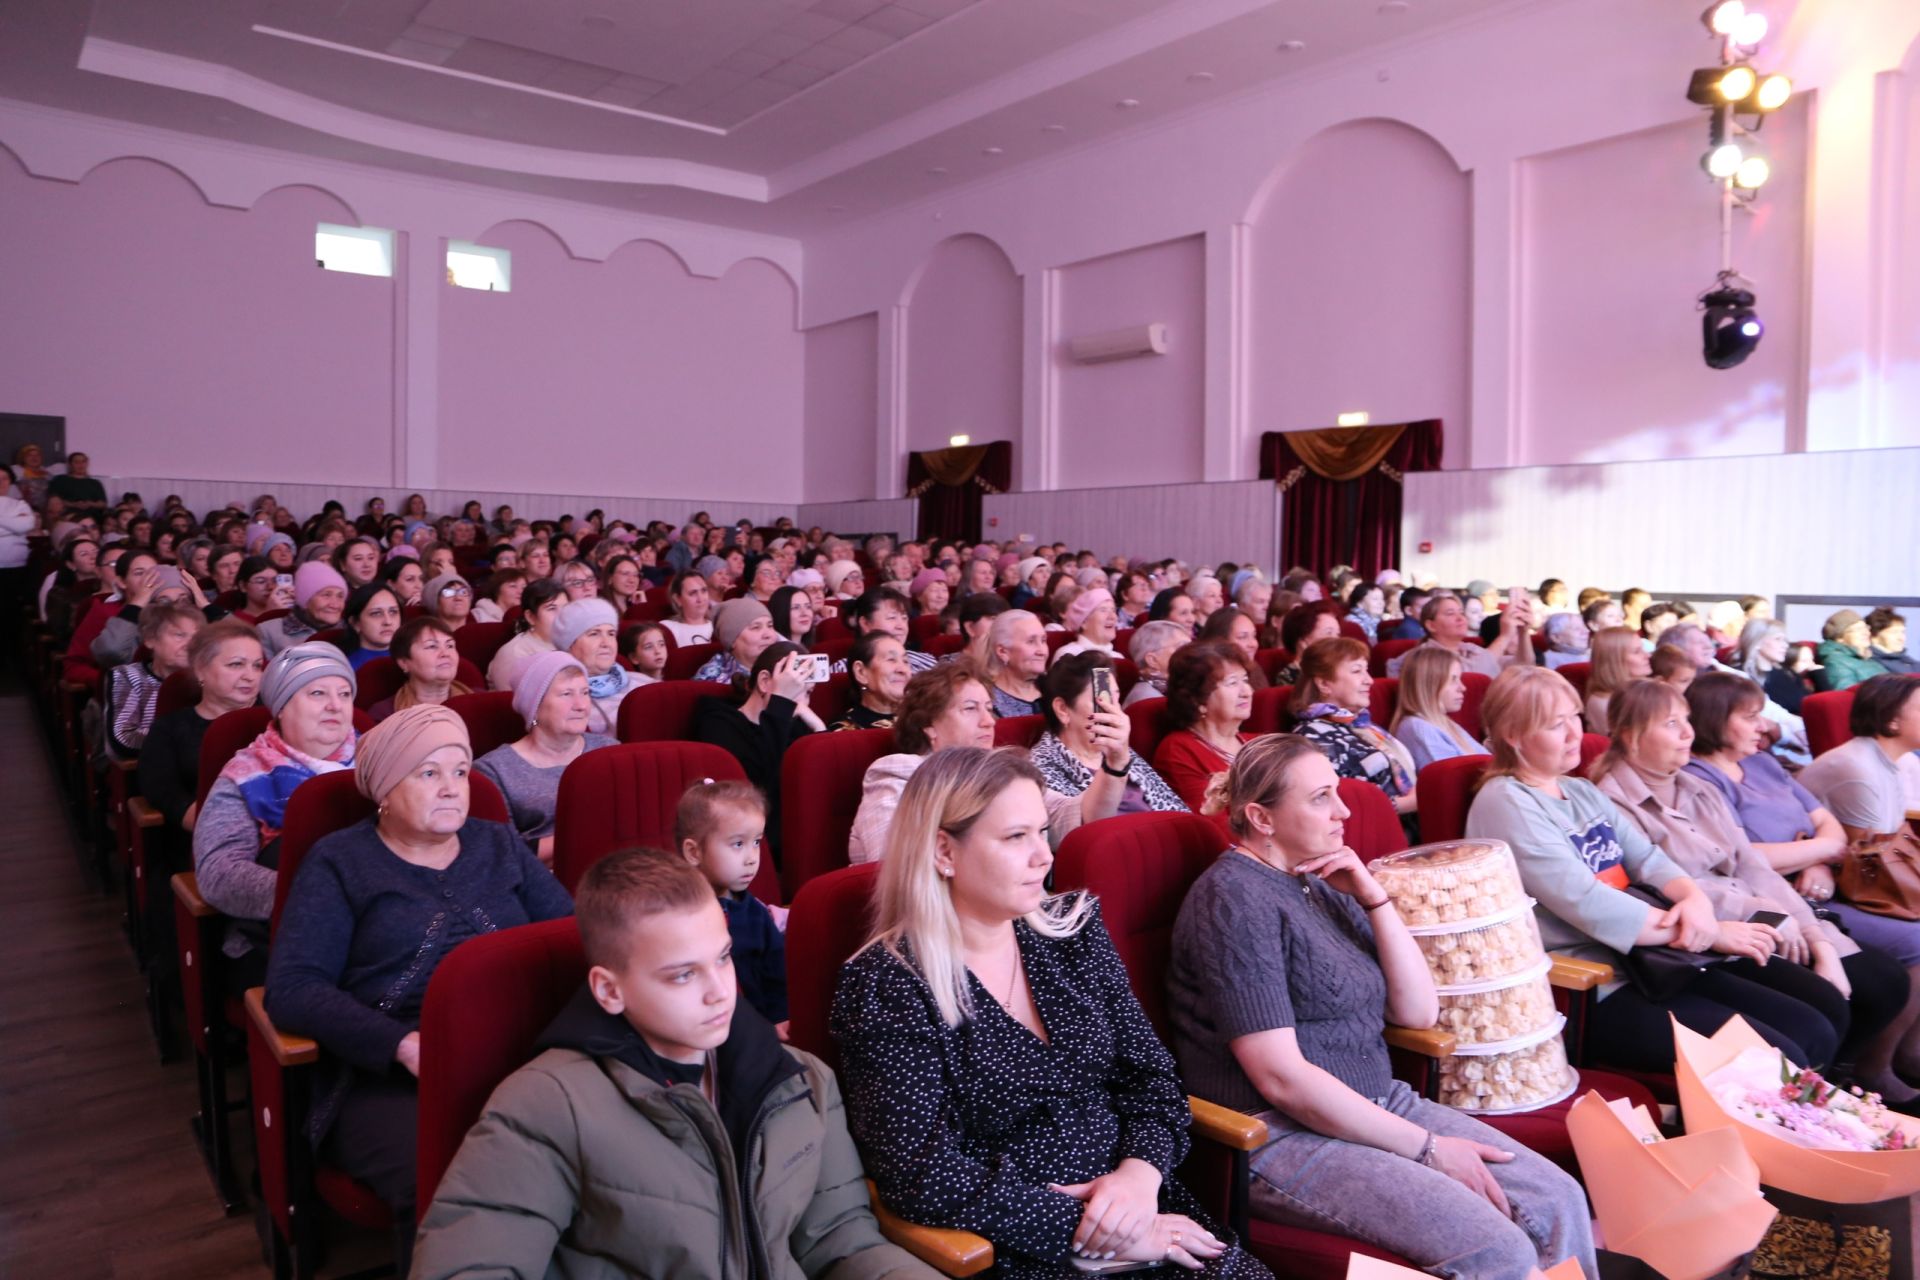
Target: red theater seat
[{"x": 820, "y": 790}]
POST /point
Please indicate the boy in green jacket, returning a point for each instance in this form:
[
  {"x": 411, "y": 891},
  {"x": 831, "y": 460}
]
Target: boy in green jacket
[{"x": 665, "y": 1130}]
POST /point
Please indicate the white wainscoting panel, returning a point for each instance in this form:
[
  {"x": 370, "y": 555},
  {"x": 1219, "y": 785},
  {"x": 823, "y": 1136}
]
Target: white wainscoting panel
[
  {"x": 305, "y": 499},
  {"x": 1236, "y": 520},
  {"x": 1818, "y": 524},
  {"x": 898, "y": 516}
]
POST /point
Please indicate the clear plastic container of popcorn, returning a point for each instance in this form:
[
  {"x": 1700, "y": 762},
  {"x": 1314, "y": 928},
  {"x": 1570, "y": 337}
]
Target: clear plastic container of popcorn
[
  {"x": 1500, "y": 1009},
  {"x": 1509, "y": 1076},
  {"x": 1463, "y": 955},
  {"x": 1457, "y": 884}
]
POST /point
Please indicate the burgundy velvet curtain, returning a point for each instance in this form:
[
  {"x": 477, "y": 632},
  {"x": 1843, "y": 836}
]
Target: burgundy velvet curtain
[
  {"x": 950, "y": 482},
  {"x": 1341, "y": 491}
]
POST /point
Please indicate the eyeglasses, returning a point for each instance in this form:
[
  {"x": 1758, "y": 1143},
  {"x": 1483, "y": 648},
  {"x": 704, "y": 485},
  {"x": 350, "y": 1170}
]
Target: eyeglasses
[{"x": 455, "y": 589}]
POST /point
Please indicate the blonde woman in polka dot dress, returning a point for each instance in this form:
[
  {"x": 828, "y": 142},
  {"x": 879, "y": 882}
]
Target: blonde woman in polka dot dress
[{"x": 1000, "y": 1077}]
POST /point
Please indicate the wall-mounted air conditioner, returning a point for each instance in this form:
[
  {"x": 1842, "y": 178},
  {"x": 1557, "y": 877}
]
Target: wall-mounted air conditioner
[{"x": 1120, "y": 344}]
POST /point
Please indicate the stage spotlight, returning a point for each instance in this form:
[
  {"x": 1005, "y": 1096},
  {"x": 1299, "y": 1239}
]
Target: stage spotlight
[
  {"x": 1773, "y": 93},
  {"x": 1718, "y": 86},
  {"x": 1723, "y": 161},
  {"x": 1724, "y": 19},
  {"x": 1752, "y": 173},
  {"x": 1750, "y": 30},
  {"x": 1730, "y": 328}
]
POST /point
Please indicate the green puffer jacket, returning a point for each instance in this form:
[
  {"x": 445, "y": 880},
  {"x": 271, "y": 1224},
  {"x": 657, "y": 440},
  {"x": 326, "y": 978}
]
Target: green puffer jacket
[
  {"x": 1841, "y": 667},
  {"x": 582, "y": 1167}
]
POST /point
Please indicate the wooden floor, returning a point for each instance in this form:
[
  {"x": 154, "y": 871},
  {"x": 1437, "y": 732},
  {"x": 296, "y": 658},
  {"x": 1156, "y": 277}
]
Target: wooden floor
[{"x": 98, "y": 1175}]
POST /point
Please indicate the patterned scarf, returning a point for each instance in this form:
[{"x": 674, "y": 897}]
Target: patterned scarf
[
  {"x": 267, "y": 770},
  {"x": 610, "y": 684},
  {"x": 1360, "y": 723}
]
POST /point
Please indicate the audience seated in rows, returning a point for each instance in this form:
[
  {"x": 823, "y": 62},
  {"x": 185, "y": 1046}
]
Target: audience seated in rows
[
  {"x": 1432, "y": 689},
  {"x": 1210, "y": 687},
  {"x": 1330, "y": 710},
  {"x": 1072, "y": 749},
  {"x": 540, "y": 610}
]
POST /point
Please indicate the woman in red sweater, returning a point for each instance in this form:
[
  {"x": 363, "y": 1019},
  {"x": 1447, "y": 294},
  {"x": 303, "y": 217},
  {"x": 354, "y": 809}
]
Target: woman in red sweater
[{"x": 1210, "y": 688}]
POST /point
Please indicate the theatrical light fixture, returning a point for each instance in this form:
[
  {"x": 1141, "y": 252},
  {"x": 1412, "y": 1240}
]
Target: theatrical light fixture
[
  {"x": 1772, "y": 93},
  {"x": 1750, "y": 30},
  {"x": 1724, "y": 19},
  {"x": 1730, "y": 328},
  {"x": 1719, "y": 86},
  {"x": 1723, "y": 161},
  {"x": 1752, "y": 173}
]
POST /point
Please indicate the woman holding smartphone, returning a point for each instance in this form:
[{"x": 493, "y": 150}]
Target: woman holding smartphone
[{"x": 1068, "y": 753}]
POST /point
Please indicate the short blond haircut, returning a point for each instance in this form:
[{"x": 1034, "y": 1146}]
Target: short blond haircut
[{"x": 1520, "y": 701}]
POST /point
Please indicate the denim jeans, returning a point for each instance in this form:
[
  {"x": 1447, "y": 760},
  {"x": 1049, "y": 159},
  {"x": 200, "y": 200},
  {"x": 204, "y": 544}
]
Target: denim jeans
[{"x": 1307, "y": 1179}]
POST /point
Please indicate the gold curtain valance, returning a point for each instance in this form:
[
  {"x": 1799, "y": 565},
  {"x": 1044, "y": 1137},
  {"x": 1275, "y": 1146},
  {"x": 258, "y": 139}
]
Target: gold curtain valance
[
  {"x": 956, "y": 465},
  {"x": 1339, "y": 453}
]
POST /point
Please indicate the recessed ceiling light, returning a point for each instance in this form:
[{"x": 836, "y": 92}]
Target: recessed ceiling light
[
  {"x": 1053, "y": 128},
  {"x": 938, "y": 170},
  {"x": 1200, "y": 77},
  {"x": 598, "y": 22},
  {"x": 1394, "y": 8},
  {"x": 1291, "y": 46},
  {"x": 993, "y": 151},
  {"x": 1127, "y": 104}
]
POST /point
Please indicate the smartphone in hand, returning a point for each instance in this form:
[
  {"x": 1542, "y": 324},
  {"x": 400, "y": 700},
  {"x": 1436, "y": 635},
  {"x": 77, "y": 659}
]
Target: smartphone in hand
[{"x": 1106, "y": 690}]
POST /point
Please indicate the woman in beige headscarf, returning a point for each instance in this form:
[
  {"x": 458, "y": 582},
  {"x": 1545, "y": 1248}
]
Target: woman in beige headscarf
[{"x": 372, "y": 912}]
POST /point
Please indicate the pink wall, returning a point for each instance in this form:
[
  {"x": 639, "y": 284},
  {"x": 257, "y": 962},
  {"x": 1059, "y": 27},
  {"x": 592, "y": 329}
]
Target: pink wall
[
  {"x": 1116, "y": 418},
  {"x": 842, "y": 380},
  {"x": 1620, "y": 237},
  {"x": 176, "y": 337},
  {"x": 636, "y": 371},
  {"x": 1358, "y": 282},
  {"x": 964, "y": 333},
  {"x": 1903, "y": 300}
]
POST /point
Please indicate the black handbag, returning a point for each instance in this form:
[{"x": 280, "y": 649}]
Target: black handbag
[{"x": 1661, "y": 973}]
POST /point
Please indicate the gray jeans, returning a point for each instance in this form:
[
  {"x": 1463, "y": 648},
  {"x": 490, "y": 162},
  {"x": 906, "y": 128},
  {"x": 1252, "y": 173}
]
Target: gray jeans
[{"x": 1307, "y": 1179}]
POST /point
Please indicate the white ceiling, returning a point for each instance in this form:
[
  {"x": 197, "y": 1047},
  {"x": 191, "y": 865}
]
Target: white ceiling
[{"x": 774, "y": 115}]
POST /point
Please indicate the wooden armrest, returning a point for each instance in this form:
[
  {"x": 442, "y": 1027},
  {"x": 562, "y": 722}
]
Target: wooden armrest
[
  {"x": 1235, "y": 1130},
  {"x": 144, "y": 814},
  {"x": 1570, "y": 974},
  {"x": 1428, "y": 1042},
  {"x": 951, "y": 1252},
  {"x": 187, "y": 889},
  {"x": 288, "y": 1051}
]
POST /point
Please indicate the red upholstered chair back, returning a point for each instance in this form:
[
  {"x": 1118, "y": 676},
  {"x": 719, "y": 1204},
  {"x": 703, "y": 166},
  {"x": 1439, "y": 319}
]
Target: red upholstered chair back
[
  {"x": 332, "y": 802},
  {"x": 650, "y": 611},
  {"x": 835, "y": 650},
  {"x": 181, "y": 689},
  {"x": 941, "y": 646},
  {"x": 1147, "y": 717},
  {"x": 331, "y": 635},
  {"x": 619, "y": 797},
  {"x": 1592, "y": 747},
  {"x": 1826, "y": 715},
  {"x": 924, "y": 628},
  {"x": 1125, "y": 674},
  {"x": 1353, "y": 631},
  {"x": 1056, "y": 641},
  {"x": 834, "y": 628},
  {"x": 479, "y": 641},
  {"x": 663, "y": 712},
  {"x": 224, "y": 737},
  {"x": 270, "y": 615},
  {"x": 830, "y": 701},
  {"x": 1468, "y": 716},
  {"x": 685, "y": 662},
  {"x": 1577, "y": 674},
  {"x": 1270, "y": 661},
  {"x": 486, "y": 1006},
  {"x": 1373, "y": 828},
  {"x": 831, "y": 917},
  {"x": 1445, "y": 792},
  {"x": 491, "y": 720},
  {"x": 1140, "y": 866},
  {"x": 820, "y": 789},
  {"x": 1018, "y": 731},
  {"x": 1383, "y": 699},
  {"x": 1385, "y": 652},
  {"x": 1270, "y": 714}
]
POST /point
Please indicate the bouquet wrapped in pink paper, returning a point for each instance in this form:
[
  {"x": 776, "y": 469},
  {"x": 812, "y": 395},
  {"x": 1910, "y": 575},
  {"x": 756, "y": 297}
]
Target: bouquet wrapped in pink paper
[{"x": 1808, "y": 1138}]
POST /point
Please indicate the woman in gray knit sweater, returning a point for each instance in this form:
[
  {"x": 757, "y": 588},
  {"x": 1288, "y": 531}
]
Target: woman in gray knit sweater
[{"x": 1288, "y": 960}]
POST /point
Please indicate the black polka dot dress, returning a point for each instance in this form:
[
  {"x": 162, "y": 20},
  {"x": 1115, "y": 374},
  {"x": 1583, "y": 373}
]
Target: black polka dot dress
[{"x": 966, "y": 1126}]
